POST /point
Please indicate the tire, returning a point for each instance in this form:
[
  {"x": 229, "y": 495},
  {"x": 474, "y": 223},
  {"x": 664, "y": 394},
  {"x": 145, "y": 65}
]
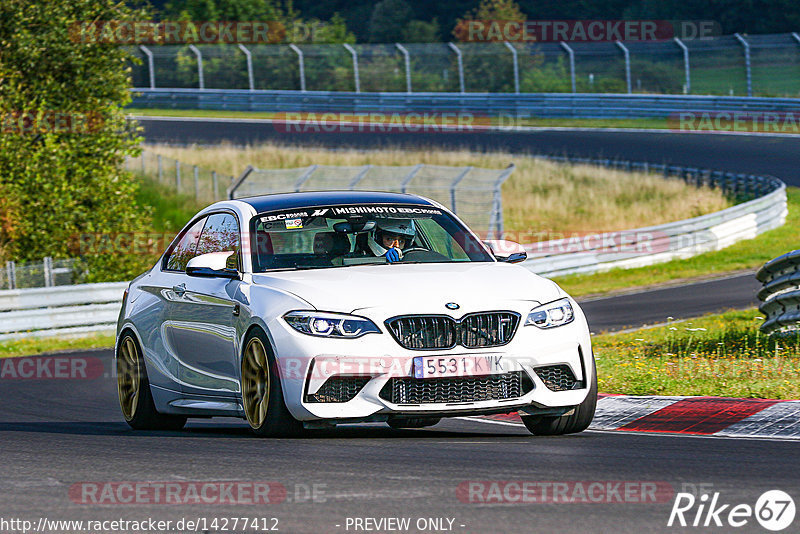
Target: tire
[
  {"x": 262, "y": 395},
  {"x": 566, "y": 424},
  {"x": 413, "y": 422},
  {"x": 133, "y": 390}
]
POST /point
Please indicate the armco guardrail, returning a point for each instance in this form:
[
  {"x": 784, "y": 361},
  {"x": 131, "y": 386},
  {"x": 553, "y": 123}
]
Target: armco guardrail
[
  {"x": 60, "y": 310},
  {"x": 681, "y": 239},
  {"x": 780, "y": 295},
  {"x": 540, "y": 105}
]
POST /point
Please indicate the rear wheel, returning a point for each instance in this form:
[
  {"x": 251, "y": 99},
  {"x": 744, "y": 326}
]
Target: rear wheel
[
  {"x": 133, "y": 388},
  {"x": 262, "y": 396},
  {"x": 579, "y": 421}
]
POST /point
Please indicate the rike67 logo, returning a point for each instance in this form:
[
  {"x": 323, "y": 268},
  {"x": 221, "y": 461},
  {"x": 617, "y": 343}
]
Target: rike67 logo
[{"x": 774, "y": 510}]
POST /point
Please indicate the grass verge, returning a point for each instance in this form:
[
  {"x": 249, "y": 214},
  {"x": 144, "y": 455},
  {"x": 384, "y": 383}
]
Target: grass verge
[
  {"x": 718, "y": 355},
  {"x": 748, "y": 254},
  {"x": 32, "y": 346}
]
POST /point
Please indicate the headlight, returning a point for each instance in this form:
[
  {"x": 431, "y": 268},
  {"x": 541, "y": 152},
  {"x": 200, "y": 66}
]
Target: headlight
[
  {"x": 556, "y": 313},
  {"x": 325, "y": 324}
]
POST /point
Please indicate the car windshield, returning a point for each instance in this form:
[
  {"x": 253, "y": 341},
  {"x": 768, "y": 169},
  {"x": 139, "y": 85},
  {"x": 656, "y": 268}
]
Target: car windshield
[{"x": 341, "y": 236}]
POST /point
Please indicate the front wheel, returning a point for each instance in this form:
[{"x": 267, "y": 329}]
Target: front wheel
[
  {"x": 262, "y": 396},
  {"x": 579, "y": 421},
  {"x": 133, "y": 388}
]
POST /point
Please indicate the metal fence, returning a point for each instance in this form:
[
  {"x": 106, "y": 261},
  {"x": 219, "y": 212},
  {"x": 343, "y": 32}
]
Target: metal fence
[
  {"x": 780, "y": 295},
  {"x": 472, "y": 193},
  {"x": 766, "y": 65},
  {"x": 191, "y": 181},
  {"x": 47, "y": 273}
]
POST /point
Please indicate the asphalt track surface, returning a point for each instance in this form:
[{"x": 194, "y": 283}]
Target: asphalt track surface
[{"x": 55, "y": 434}]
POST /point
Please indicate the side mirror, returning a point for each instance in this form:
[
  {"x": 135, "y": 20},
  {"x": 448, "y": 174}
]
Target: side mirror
[
  {"x": 212, "y": 265},
  {"x": 506, "y": 251}
]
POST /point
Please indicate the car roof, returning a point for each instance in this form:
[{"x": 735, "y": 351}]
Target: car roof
[{"x": 309, "y": 199}]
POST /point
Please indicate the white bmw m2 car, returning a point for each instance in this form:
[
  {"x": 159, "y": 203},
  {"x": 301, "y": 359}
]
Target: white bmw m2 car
[{"x": 307, "y": 310}]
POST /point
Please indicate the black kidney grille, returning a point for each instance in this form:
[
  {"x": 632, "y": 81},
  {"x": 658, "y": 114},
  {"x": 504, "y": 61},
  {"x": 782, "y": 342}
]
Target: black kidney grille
[
  {"x": 476, "y": 330},
  {"x": 558, "y": 377},
  {"x": 406, "y": 390},
  {"x": 339, "y": 389}
]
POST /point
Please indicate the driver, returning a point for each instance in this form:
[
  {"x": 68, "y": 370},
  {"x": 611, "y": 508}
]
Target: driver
[{"x": 390, "y": 237}]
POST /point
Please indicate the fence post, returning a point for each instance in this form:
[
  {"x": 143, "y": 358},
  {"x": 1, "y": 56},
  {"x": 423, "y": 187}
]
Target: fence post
[
  {"x": 685, "y": 64},
  {"x": 355, "y": 65},
  {"x": 453, "y": 186},
  {"x": 199, "y": 57},
  {"x": 301, "y": 64},
  {"x": 497, "y": 203},
  {"x": 143, "y": 166},
  {"x": 160, "y": 168},
  {"x": 748, "y": 73},
  {"x": 177, "y": 176},
  {"x": 571, "y": 53},
  {"x": 627, "y": 64},
  {"x": 47, "y": 268},
  {"x": 11, "y": 272},
  {"x": 460, "y": 61},
  {"x": 150, "y": 66},
  {"x": 249, "y": 57},
  {"x": 196, "y": 183},
  {"x": 410, "y": 176},
  {"x": 214, "y": 183},
  {"x": 360, "y": 176},
  {"x": 408, "y": 65},
  {"x": 516, "y": 65},
  {"x": 304, "y": 178}
]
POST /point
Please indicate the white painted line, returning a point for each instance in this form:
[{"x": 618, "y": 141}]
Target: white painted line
[{"x": 491, "y": 421}]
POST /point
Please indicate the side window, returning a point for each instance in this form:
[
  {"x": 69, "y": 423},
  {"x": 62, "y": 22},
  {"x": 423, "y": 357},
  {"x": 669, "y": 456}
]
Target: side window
[
  {"x": 186, "y": 247},
  {"x": 441, "y": 241},
  {"x": 221, "y": 234}
]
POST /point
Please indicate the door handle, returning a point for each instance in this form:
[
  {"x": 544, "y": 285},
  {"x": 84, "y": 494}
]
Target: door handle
[{"x": 179, "y": 290}]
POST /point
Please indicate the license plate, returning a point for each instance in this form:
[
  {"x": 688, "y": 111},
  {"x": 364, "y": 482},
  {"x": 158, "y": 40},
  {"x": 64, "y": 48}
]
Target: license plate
[{"x": 444, "y": 366}]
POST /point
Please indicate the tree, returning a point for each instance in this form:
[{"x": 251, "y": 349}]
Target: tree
[
  {"x": 488, "y": 10},
  {"x": 389, "y": 20},
  {"x": 65, "y": 135}
]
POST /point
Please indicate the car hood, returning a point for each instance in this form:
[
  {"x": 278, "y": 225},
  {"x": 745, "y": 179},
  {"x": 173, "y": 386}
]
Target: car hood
[{"x": 413, "y": 288}]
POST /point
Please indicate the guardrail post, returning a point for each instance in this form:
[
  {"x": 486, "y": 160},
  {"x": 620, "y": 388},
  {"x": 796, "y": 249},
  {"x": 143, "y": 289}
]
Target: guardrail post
[
  {"x": 355, "y": 65},
  {"x": 249, "y": 57},
  {"x": 627, "y": 64},
  {"x": 150, "y": 66},
  {"x": 516, "y": 65},
  {"x": 11, "y": 274},
  {"x": 453, "y": 186},
  {"x": 214, "y": 183},
  {"x": 47, "y": 268},
  {"x": 571, "y": 54},
  {"x": 196, "y": 183},
  {"x": 748, "y": 73},
  {"x": 460, "y": 61},
  {"x": 143, "y": 165},
  {"x": 685, "y": 64},
  {"x": 410, "y": 176},
  {"x": 301, "y": 64},
  {"x": 199, "y": 57},
  {"x": 408, "y": 65},
  {"x": 177, "y": 176},
  {"x": 160, "y": 168}
]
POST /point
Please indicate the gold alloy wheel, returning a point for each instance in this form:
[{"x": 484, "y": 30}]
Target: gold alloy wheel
[
  {"x": 128, "y": 377},
  {"x": 255, "y": 383}
]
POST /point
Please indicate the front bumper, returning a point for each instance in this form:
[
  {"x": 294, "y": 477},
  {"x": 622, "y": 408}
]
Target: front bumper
[{"x": 306, "y": 363}]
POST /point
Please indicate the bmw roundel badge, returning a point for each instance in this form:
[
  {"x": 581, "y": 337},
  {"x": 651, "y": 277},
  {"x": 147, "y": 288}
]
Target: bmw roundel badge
[{"x": 452, "y": 306}]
